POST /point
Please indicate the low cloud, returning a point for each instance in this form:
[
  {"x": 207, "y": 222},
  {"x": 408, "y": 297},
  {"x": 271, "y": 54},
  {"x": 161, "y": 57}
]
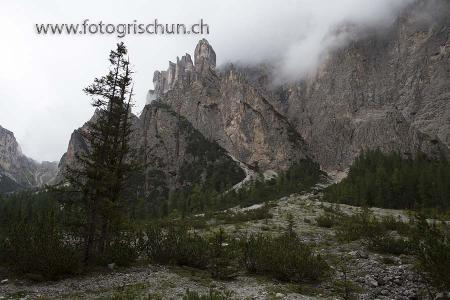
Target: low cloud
[
  {"x": 296, "y": 36},
  {"x": 42, "y": 77}
]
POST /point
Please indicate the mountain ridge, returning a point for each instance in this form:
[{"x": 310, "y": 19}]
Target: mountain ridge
[{"x": 17, "y": 171}]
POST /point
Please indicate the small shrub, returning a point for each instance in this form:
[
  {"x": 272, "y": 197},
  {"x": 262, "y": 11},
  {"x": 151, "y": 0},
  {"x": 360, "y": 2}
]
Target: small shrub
[
  {"x": 123, "y": 251},
  {"x": 360, "y": 225},
  {"x": 388, "y": 261},
  {"x": 175, "y": 246},
  {"x": 394, "y": 224},
  {"x": 285, "y": 258},
  {"x": 432, "y": 247},
  {"x": 222, "y": 254},
  {"x": 212, "y": 295},
  {"x": 178, "y": 246},
  {"x": 389, "y": 244},
  {"x": 326, "y": 220},
  {"x": 245, "y": 216}
]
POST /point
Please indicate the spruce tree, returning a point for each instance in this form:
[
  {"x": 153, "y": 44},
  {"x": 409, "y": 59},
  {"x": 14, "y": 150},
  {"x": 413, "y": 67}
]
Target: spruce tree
[{"x": 100, "y": 173}]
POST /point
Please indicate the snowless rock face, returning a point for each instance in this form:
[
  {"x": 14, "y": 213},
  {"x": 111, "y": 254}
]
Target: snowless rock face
[
  {"x": 386, "y": 89},
  {"x": 18, "y": 171},
  {"x": 205, "y": 57},
  {"x": 172, "y": 152},
  {"x": 225, "y": 108}
]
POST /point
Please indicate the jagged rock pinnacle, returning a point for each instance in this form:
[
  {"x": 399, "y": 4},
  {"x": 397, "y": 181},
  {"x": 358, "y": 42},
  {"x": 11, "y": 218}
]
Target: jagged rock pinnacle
[
  {"x": 204, "y": 57},
  {"x": 184, "y": 71}
]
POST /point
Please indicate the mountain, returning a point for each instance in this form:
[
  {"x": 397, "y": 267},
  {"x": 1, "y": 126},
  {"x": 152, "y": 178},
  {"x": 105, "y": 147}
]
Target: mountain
[
  {"x": 17, "y": 171},
  {"x": 226, "y": 108},
  {"x": 387, "y": 89},
  {"x": 173, "y": 154}
]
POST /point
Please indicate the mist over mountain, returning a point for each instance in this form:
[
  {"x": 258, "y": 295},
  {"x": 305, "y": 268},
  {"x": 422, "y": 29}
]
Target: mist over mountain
[{"x": 294, "y": 37}]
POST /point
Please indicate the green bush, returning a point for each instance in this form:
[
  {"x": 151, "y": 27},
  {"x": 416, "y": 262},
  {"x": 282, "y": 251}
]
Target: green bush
[
  {"x": 41, "y": 250},
  {"x": 395, "y": 224},
  {"x": 123, "y": 251},
  {"x": 360, "y": 225},
  {"x": 390, "y": 245},
  {"x": 364, "y": 225},
  {"x": 175, "y": 246},
  {"x": 285, "y": 257},
  {"x": 326, "y": 220},
  {"x": 222, "y": 256},
  {"x": 212, "y": 295},
  {"x": 244, "y": 216},
  {"x": 178, "y": 246},
  {"x": 432, "y": 247}
]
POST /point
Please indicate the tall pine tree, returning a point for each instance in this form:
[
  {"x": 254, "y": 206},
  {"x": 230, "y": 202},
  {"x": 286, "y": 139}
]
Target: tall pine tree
[{"x": 102, "y": 171}]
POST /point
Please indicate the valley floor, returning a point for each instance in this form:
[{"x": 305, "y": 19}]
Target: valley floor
[{"x": 372, "y": 275}]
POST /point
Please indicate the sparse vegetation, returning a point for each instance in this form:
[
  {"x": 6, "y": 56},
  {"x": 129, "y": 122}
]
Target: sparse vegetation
[
  {"x": 432, "y": 247},
  {"x": 212, "y": 295},
  {"x": 326, "y": 220},
  {"x": 389, "y": 244},
  {"x": 359, "y": 225}
]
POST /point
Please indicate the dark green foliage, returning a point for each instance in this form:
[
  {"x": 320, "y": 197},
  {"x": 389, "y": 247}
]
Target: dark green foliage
[
  {"x": 212, "y": 295},
  {"x": 326, "y": 220},
  {"x": 123, "y": 250},
  {"x": 299, "y": 177},
  {"x": 390, "y": 181},
  {"x": 357, "y": 226},
  {"x": 179, "y": 246},
  {"x": 130, "y": 292},
  {"x": 344, "y": 286},
  {"x": 285, "y": 258},
  {"x": 100, "y": 174},
  {"x": 175, "y": 246},
  {"x": 395, "y": 224},
  {"x": 39, "y": 250},
  {"x": 377, "y": 234},
  {"x": 389, "y": 244},
  {"x": 36, "y": 237},
  {"x": 7, "y": 185},
  {"x": 222, "y": 256},
  {"x": 244, "y": 216},
  {"x": 432, "y": 247}
]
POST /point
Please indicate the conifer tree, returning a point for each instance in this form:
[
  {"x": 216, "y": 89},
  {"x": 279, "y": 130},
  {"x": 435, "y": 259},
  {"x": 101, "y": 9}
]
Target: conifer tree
[{"x": 100, "y": 173}]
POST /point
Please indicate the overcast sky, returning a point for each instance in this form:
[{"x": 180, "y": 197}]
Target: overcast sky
[{"x": 42, "y": 77}]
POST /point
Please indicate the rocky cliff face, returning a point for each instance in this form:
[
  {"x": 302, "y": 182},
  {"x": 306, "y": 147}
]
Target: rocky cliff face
[
  {"x": 389, "y": 90},
  {"x": 18, "y": 171},
  {"x": 172, "y": 153},
  {"x": 227, "y": 109}
]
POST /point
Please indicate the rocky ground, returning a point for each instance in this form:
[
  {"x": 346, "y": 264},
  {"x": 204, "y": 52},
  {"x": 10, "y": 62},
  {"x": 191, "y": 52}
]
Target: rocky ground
[{"x": 370, "y": 275}]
